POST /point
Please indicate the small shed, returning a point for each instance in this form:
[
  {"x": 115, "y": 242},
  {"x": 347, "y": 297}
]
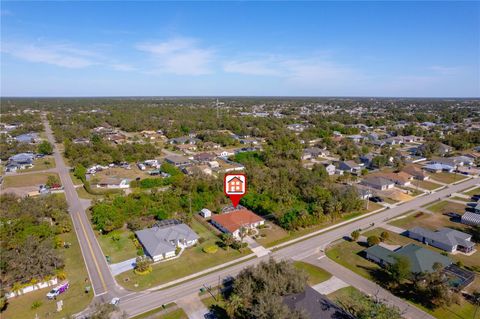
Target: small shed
[{"x": 206, "y": 213}]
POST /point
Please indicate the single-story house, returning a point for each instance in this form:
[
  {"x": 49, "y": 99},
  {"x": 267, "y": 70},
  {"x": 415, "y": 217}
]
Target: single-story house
[
  {"x": 186, "y": 147},
  {"x": 313, "y": 152},
  {"x": 402, "y": 178},
  {"x": 447, "y": 239},
  {"x": 161, "y": 241},
  {"x": 225, "y": 153},
  {"x": 421, "y": 259},
  {"x": 437, "y": 168},
  {"x": 183, "y": 140},
  {"x": 27, "y": 138},
  {"x": 314, "y": 305},
  {"x": 177, "y": 160},
  {"x": 350, "y": 167},
  {"x": 363, "y": 192},
  {"x": 204, "y": 157},
  {"x": 113, "y": 182},
  {"x": 330, "y": 168},
  {"x": 231, "y": 222},
  {"x": 377, "y": 182},
  {"x": 471, "y": 219},
  {"x": 416, "y": 172},
  {"x": 355, "y": 138}
]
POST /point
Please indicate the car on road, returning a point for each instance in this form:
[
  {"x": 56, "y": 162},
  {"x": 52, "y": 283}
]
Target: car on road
[
  {"x": 115, "y": 301},
  {"x": 376, "y": 199}
]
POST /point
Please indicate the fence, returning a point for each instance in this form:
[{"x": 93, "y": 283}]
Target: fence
[{"x": 31, "y": 288}]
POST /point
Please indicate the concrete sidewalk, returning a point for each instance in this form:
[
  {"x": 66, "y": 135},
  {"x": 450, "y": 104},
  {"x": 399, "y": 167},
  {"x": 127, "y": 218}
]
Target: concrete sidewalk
[{"x": 329, "y": 286}]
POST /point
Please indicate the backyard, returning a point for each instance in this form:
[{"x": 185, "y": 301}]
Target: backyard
[
  {"x": 198, "y": 260},
  {"x": 74, "y": 300}
]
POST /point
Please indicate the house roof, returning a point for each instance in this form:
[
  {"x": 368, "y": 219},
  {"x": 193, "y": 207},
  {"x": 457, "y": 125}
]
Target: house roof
[
  {"x": 235, "y": 219},
  {"x": 471, "y": 218},
  {"x": 421, "y": 259},
  {"x": 314, "y": 305},
  {"x": 413, "y": 170},
  {"x": 396, "y": 177},
  {"x": 22, "y": 157},
  {"x": 376, "y": 181},
  {"x": 26, "y": 138},
  {"x": 447, "y": 236},
  {"x": 177, "y": 159},
  {"x": 438, "y": 167},
  {"x": 158, "y": 239}
]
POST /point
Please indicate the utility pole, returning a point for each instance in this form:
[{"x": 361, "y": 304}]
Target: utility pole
[{"x": 218, "y": 110}]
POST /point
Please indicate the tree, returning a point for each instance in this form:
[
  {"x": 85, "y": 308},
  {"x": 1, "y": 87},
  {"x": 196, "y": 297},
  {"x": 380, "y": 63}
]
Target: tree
[
  {"x": 384, "y": 236},
  {"x": 233, "y": 304},
  {"x": 400, "y": 269},
  {"x": 355, "y": 235},
  {"x": 143, "y": 264},
  {"x": 373, "y": 240},
  {"x": 45, "y": 148},
  {"x": 363, "y": 307},
  {"x": 227, "y": 240}
]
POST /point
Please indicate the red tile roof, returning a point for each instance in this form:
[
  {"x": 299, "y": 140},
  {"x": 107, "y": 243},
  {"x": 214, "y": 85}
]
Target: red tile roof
[{"x": 236, "y": 219}]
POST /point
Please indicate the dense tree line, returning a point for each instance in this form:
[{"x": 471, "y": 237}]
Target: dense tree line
[{"x": 28, "y": 229}]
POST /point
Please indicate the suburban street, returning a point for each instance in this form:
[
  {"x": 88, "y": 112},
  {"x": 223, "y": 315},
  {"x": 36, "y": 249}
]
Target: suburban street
[
  {"x": 308, "y": 250},
  {"x": 101, "y": 279}
]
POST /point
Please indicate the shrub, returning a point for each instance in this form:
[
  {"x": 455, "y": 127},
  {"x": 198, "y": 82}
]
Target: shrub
[
  {"x": 355, "y": 235},
  {"x": 212, "y": 249},
  {"x": 201, "y": 240},
  {"x": 384, "y": 236},
  {"x": 36, "y": 304},
  {"x": 373, "y": 240}
]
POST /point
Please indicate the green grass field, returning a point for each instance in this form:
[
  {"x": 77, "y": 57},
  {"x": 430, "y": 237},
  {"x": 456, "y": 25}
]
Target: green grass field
[
  {"x": 41, "y": 164},
  {"x": 118, "y": 245},
  {"x": 192, "y": 260},
  {"x": 443, "y": 207},
  {"x": 75, "y": 299},
  {"x": 174, "y": 314},
  {"x": 315, "y": 274},
  {"x": 26, "y": 180},
  {"x": 448, "y": 178},
  {"x": 429, "y": 185},
  {"x": 475, "y": 191}
]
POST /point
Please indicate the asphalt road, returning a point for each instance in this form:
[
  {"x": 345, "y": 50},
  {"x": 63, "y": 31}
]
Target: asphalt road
[
  {"x": 137, "y": 303},
  {"x": 103, "y": 283}
]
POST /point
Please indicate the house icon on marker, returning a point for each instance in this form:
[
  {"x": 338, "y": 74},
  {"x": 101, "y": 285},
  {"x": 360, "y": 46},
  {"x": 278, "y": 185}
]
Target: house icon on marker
[{"x": 235, "y": 185}]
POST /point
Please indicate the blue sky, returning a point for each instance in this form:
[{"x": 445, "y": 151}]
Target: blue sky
[{"x": 429, "y": 49}]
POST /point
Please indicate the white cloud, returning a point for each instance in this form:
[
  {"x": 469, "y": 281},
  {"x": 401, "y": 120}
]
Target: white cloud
[
  {"x": 56, "y": 54},
  {"x": 180, "y": 56}
]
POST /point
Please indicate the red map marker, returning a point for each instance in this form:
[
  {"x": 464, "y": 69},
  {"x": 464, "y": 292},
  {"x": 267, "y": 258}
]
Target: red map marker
[{"x": 235, "y": 186}]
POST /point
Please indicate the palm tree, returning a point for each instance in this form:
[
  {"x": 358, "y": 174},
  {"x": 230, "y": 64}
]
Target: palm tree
[{"x": 233, "y": 304}]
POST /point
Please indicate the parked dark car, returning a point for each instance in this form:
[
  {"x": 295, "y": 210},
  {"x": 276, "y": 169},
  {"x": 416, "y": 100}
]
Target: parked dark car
[{"x": 376, "y": 199}]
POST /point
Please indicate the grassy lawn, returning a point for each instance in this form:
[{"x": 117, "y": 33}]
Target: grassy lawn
[
  {"x": 174, "y": 314},
  {"x": 431, "y": 221},
  {"x": 426, "y": 184},
  {"x": 41, "y": 164},
  {"x": 475, "y": 191},
  {"x": 122, "y": 173},
  {"x": 27, "y": 180},
  {"x": 462, "y": 199},
  {"x": 315, "y": 274},
  {"x": 446, "y": 207},
  {"x": 342, "y": 293},
  {"x": 192, "y": 260},
  {"x": 155, "y": 311},
  {"x": 75, "y": 179},
  {"x": 448, "y": 178},
  {"x": 118, "y": 245},
  {"x": 277, "y": 235},
  {"x": 74, "y": 300}
]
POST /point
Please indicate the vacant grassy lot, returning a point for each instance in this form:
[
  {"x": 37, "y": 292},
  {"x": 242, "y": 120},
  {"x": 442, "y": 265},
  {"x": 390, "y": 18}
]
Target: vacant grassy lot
[
  {"x": 447, "y": 207},
  {"x": 315, "y": 274},
  {"x": 431, "y": 221},
  {"x": 426, "y": 184},
  {"x": 475, "y": 191},
  {"x": 118, "y": 245},
  {"x": 279, "y": 235},
  {"x": 74, "y": 300},
  {"x": 174, "y": 314},
  {"x": 447, "y": 178},
  {"x": 122, "y": 173},
  {"x": 41, "y": 164},
  {"x": 27, "y": 180},
  {"x": 192, "y": 260}
]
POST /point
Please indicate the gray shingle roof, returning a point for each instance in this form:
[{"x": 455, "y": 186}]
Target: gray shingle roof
[
  {"x": 158, "y": 240},
  {"x": 421, "y": 259},
  {"x": 447, "y": 236}
]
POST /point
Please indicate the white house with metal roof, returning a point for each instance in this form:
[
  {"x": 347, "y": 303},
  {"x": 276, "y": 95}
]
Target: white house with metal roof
[{"x": 447, "y": 239}]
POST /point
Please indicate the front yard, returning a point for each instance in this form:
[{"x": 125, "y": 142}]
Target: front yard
[
  {"x": 448, "y": 178},
  {"x": 475, "y": 191},
  {"x": 74, "y": 300},
  {"x": 447, "y": 207},
  {"x": 315, "y": 274},
  {"x": 193, "y": 260},
  {"x": 41, "y": 164},
  {"x": 428, "y": 185}
]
